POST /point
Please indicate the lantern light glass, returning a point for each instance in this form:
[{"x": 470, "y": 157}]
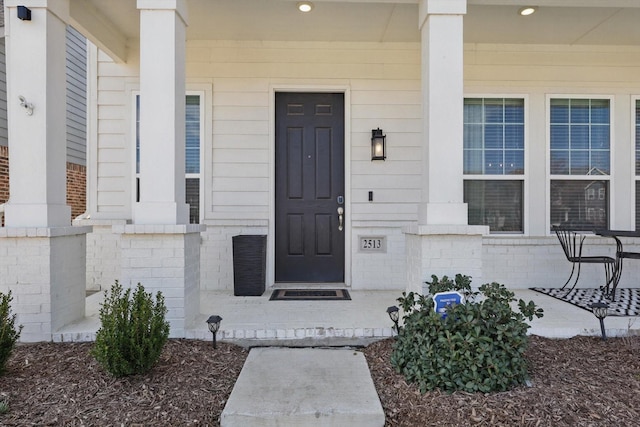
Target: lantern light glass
[
  {"x": 600, "y": 310},
  {"x": 378, "y": 145},
  {"x": 213, "y": 322},
  {"x": 394, "y": 315}
]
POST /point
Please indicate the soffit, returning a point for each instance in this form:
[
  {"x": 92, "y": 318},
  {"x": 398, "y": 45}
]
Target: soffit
[{"x": 486, "y": 21}]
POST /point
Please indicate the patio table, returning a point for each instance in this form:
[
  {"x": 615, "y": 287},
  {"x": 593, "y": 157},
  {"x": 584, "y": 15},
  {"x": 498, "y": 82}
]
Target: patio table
[{"x": 610, "y": 288}]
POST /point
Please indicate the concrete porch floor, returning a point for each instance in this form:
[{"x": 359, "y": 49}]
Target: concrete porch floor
[{"x": 256, "y": 321}]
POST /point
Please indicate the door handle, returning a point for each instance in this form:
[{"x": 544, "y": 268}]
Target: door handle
[{"x": 340, "y": 218}]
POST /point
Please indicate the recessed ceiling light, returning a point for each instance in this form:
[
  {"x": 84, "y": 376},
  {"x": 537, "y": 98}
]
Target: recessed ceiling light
[
  {"x": 305, "y": 6},
  {"x": 527, "y": 10}
]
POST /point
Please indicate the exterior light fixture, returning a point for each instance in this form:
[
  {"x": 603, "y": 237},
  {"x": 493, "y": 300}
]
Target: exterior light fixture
[
  {"x": 24, "y": 13},
  {"x": 600, "y": 310},
  {"x": 214, "y": 325},
  {"x": 527, "y": 10},
  {"x": 28, "y": 107},
  {"x": 305, "y": 6},
  {"x": 394, "y": 315},
  {"x": 378, "y": 145}
]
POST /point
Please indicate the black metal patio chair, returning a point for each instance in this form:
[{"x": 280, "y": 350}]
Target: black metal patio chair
[{"x": 571, "y": 242}]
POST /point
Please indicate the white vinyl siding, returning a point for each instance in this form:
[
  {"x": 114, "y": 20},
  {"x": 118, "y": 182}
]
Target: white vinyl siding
[
  {"x": 76, "y": 97},
  {"x": 382, "y": 89},
  {"x": 382, "y": 85}
]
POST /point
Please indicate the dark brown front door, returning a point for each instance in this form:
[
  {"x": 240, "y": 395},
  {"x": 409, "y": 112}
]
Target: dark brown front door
[{"x": 309, "y": 235}]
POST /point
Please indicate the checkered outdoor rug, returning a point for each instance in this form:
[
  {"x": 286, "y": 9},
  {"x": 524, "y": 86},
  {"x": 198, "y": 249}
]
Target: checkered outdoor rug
[{"x": 627, "y": 301}]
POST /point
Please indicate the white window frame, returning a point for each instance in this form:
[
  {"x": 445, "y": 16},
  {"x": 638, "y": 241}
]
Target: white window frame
[
  {"x": 550, "y": 177},
  {"x": 524, "y": 176},
  {"x": 634, "y": 178},
  {"x": 204, "y": 93}
]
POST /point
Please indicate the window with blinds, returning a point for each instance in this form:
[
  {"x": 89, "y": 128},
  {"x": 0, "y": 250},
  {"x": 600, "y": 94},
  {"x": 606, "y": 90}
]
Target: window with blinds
[
  {"x": 497, "y": 204},
  {"x": 637, "y": 205},
  {"x": 579, "y": 132},
  {"x": 192, "y": 156},
  {"x": 494, "y": 163},
  {"x": 193, "y": 137}
]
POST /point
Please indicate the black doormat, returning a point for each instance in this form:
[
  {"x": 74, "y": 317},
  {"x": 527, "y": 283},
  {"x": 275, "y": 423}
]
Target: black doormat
[
  {"x": 627, "y": 301},
  {"x": 310, "y": 295}
]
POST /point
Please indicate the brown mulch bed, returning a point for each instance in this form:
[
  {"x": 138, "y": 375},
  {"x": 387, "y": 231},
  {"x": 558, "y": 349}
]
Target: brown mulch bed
[
  {"x": 50, "y": 384},
  {"x": 581, "y": 381}
]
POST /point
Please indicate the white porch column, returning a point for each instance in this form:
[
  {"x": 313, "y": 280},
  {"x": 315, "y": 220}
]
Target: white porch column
[
  {"x": 36, "y": 70},
  {"x": 161, "y": 250},
  {"x": 442, "y": 98},
  {"x": 162, "y": 111},
  {"x": 42, "y": 258},
  {"x": 442, "y": 243}
]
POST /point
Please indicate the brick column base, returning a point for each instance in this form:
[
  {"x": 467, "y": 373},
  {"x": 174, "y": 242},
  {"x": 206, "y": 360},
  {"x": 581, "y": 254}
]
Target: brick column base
[
  {"x": 164, "y": 258},
  {"x": 443, "y": 250},
  {"x": 44, "y": 268}
]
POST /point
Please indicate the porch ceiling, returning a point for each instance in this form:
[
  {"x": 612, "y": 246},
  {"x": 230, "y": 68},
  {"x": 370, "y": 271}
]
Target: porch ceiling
[{"x": 589, "y": 22}]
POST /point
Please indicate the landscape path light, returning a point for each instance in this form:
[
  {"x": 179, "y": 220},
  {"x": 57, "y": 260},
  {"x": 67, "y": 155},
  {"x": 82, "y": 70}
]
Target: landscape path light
[
  {"x": 214, "y": 325},
  {"x": 600, "y": 310},
  {"x": 394, "y": 315}
]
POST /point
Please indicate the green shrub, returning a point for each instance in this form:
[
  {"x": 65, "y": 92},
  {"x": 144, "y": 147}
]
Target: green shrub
[
  {"x": 9, "y": 335},
  {"x": 478, "y": 347},
  {"x": 461, "y": 284},
  {"x": 133, "y": 331}
]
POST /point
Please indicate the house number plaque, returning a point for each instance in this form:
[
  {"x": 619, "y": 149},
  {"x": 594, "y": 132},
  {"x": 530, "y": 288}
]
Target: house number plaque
[{"x": 373, "y": 244}]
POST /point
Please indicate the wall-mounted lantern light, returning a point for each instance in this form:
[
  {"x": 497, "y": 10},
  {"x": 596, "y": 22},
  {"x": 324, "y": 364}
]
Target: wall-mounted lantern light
[
  {"x": 378, "y": 145},
  {"x": 28, "y": 107},
  {"x": 24, "y": 13}
]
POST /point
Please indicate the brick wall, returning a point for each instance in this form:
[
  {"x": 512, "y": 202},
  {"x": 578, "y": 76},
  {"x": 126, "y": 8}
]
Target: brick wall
[
  {"x": 164, "y": 258},
  {"x": 4, "y": 178},
  {"x": 4, "y": 174},
  {"x": 76, "y": 188},
  {"x": 76, "y": 184}
]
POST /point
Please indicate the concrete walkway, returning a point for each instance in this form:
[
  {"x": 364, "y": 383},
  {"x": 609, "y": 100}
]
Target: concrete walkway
[{"x": 303, "y": 387}]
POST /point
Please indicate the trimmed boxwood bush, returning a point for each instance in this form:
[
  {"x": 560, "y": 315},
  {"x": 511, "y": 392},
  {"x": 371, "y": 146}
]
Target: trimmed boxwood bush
[
  {"x": 478, "y": 347},
  {"x": 133, "y": 331},
  {"x": 9, "y": 334}
]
